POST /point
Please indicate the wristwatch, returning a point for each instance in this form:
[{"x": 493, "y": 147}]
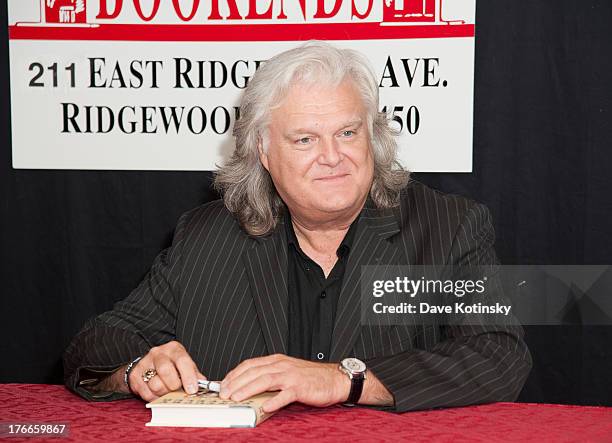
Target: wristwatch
[{"x": 356, "y": 371}]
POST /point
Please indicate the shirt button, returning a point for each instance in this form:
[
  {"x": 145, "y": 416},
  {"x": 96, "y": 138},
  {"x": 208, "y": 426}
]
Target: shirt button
[
  {"x": 320, "y": 356},
  {"x": 323, "y": 294}
]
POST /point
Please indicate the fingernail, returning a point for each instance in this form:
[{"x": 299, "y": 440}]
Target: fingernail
[
  {"x": 192, "y": 388},
  {"x": 223, "y": 393}
]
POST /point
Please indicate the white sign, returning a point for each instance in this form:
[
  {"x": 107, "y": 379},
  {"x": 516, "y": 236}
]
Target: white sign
[{"x": 155, "y": 84}]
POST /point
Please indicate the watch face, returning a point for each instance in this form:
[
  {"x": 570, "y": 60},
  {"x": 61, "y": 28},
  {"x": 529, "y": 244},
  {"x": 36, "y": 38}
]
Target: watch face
[{"x": 353, "y": 365}]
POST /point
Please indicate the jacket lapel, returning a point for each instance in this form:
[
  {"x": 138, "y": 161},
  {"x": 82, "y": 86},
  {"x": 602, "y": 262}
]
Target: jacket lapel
[
  {"x": 370, "y": 247},
  {"x": 266, "y": 266}
]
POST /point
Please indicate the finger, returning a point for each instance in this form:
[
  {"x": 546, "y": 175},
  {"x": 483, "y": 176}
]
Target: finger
[
  {"x": 266, "y": 381},
  {"x": 229, "y": 387},
  {"x": 280, "y": 400},
  {"x": 145, "y": 393},
  {"x": 251, "y": 363},
  {"x": 188, "y": 373},
  {"x": 137, "y": 385},
  {"x": 157, "y": 386},
  {"x": 166, "y": 372}
]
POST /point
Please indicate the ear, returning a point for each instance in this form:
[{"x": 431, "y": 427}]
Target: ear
[{"x": 263, "y": 156}]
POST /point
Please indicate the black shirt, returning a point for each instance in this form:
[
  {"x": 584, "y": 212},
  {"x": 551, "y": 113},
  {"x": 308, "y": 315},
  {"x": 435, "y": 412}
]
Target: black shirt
[{"x": 312, "y": 297}]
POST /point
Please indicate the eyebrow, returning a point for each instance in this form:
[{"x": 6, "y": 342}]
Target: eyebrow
[{"x": 300, "y": 131}]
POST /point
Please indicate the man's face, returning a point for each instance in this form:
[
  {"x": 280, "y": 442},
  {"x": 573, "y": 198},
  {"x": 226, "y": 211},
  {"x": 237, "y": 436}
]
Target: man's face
[{"x": 319, "y": 153}]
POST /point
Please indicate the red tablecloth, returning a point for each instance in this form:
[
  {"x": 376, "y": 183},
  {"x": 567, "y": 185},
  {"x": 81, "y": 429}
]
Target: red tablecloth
[{"x": 125, "y": 420}]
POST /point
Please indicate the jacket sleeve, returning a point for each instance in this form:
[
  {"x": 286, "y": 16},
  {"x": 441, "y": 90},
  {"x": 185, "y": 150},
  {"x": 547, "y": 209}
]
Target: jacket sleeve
[
  {"x": 146, "y": 318},
  {"x": 473, "y": 363}
]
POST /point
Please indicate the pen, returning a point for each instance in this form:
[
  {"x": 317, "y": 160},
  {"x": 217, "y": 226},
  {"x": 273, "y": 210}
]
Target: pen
[{"x": 213, "y": 386}]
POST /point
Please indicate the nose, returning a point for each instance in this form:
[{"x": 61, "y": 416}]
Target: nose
[{"x": 330, "y": 154}]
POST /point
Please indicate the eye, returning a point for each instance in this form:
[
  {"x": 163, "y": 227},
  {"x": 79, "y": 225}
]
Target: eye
[
  {"x": 303, "y": 141},
  {"x": 348, "y": 133}
]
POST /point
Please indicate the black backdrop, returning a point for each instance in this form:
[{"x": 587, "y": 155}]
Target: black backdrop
[{"x": 73, "y": 242}]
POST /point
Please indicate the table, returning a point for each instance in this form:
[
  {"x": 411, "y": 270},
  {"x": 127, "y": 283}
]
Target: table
[{"x": 125, "y": 421}]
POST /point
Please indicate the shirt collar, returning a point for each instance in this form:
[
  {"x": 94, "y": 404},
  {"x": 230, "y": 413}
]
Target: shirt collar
[{"x": 345, "y": 245}]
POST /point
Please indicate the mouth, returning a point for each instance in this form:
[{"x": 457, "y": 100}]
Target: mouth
[{"x": 328, "y": 178}]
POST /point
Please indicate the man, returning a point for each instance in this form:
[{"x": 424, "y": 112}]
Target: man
[{"x": 261, "y": 289}]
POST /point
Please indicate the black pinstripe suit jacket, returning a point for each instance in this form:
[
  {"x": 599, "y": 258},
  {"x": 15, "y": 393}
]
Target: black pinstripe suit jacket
[{"x": 223, "y": 295}]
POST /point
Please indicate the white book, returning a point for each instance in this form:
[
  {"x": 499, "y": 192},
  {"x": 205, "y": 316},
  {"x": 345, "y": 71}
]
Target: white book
[{"x": 207, "y": 410}]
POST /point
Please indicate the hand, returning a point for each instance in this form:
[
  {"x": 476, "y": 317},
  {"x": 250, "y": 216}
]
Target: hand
[
  {"x": 175, "y": 369},
  {"x": 311, "y": 383}
]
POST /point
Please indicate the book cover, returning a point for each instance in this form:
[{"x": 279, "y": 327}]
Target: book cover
[{"x": 206, "y": 409}]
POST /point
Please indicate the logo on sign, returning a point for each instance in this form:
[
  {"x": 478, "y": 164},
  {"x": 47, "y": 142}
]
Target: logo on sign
[
  {"x": 415, "y": 11},
  {"x": 65, "y": 11}
]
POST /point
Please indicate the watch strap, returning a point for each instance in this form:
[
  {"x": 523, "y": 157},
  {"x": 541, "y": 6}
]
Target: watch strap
[{"x": 356, "y": 389}]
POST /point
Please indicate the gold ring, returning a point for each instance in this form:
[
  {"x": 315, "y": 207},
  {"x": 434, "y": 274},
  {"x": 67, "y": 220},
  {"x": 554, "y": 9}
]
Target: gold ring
[{"x": 148, "y": 375}]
